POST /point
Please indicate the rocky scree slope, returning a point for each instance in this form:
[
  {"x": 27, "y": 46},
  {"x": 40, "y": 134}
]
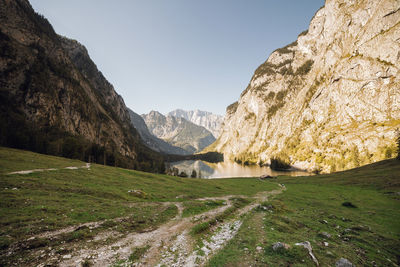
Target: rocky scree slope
[
  {"x": 55, "y": 101},
  {"x": 208, "y": 120},
  {"x": 330, "y": 100},
  {"x": 152, "y": 141},
  {"x": 178, "y": 132}
]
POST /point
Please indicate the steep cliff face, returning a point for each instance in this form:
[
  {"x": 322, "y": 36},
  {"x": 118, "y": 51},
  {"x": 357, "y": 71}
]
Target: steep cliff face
[
  {"x": 208, "y": 120},
  {"x": 330, "y": 100},
  {"x": 178, "y": 132},
  {"x": 54, "y": 100},
  {"x": 152, "y": 141}
]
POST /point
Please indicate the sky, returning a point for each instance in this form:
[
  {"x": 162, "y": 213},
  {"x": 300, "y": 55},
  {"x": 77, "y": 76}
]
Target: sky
[{"x": 189, "y": 54}]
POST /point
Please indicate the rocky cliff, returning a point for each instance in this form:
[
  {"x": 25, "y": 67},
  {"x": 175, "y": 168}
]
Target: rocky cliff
[
  {"x": 54, "y": 100},
  {"x": 208, "y": 120},
  {"x": 152, "y": 141},
  {"x": 330, "y": 100},
  {"x": 178, "y": 132}
]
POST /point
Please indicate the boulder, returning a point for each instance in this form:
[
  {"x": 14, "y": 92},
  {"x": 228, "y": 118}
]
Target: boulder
[
  {"x": 279, "y": 245},
  {"x": 344, "y": 263}
]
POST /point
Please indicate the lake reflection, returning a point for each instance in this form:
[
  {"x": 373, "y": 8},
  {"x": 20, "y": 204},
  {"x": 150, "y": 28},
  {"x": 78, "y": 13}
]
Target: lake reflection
[{"x": 229, "y": 169}]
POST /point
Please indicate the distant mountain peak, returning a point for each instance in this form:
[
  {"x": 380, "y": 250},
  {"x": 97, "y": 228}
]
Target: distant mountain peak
[
  {"x": 178, "y": 131},
  {"x": 208, "y": 120}
]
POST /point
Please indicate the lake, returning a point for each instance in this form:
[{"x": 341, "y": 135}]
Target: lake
[{"x": 229, "y": 169}]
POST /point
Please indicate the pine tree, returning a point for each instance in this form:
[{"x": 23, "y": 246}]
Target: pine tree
[{"x": 398, "y": 143}]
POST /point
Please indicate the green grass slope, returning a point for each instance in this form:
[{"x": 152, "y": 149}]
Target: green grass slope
[
  {"x": 49, "y": 200},
  {"x": 367, "y": 234}
]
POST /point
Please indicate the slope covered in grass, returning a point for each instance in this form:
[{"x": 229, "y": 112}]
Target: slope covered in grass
[
  {"x": 367, "y": 232},
  {"x": 48, "y": 200}
]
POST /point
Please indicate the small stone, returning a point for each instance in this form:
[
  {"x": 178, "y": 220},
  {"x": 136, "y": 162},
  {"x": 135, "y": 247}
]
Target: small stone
[
  {"x": 246, "y": 249},
  {"x": 68, "y": 256},
  {"x": 326, "y": 244},
  {"x": 344, "y": 263},
  {"x": 258, "y": 248},
  {"x": 31, "y": 238},
  {"x": 279, "y": 245},
  {"x": 325, "y": 235}
]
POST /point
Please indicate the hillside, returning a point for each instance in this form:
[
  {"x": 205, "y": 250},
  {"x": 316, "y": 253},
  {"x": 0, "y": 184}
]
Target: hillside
[
  {"x": 208, "y": 120},
  {"x": 328, "y": 101},
  {"x": 178, "y": 132},
  {"x": 66, "y": 212},
  {"x": 54, "y": 100}
]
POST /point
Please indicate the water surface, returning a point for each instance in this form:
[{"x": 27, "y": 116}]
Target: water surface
[{"x": 229, "y": 169}]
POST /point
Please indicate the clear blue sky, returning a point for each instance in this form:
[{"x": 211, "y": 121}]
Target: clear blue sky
[{"x": 189, "y": 54}]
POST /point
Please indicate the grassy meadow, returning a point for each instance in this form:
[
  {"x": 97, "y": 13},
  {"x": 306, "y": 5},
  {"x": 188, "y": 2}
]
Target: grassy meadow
[{"x": 353, "y": 214}]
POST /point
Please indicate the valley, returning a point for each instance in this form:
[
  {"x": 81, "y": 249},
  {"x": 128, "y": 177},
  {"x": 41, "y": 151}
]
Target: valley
[{"x": 302, "y": 170}]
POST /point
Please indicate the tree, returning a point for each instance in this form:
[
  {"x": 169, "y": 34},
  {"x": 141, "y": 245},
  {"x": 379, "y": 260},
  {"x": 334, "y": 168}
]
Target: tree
[
  {"x": 398, "y": 143},
  {"x": 183, "y": 174},
  {"x": 194, "y": 174}
]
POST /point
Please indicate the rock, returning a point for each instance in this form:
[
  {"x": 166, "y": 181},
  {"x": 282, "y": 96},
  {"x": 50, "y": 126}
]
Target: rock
[
  {"x": 68, "y": 256},
  {"x": 307, "y": 245},
  {"x": 326, "y": 244},
  {"x": 279, "y": 245},
  {"x": 344, "y": 263},
  {"x": 325, "y": 235},
  {"x": 259, "y": 249}
]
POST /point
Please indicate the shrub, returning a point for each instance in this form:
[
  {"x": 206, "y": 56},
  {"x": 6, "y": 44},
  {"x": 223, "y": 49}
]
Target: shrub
[
  {"x": 232, "y": 107},
  {"x": 305, "y": 68},
  {"x": 281, "y": 94},
  {"x": 398, "y": 143},
  {"x": 278, "y": 163}
]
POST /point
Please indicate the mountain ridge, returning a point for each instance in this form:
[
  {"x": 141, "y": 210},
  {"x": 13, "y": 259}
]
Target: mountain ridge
[
  {"x": 55, "y": 100},
  {"x": 151, "y": 140},
  {"x": 178, "y": 131},
  {"x": 208, "y": 120}
]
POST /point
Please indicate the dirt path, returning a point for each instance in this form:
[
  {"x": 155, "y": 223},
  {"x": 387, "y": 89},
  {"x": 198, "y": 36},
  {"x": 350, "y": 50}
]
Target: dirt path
[
  {"x": 87, "y": 166},
  {"x": 170, "y": 244},
  {"x": 181, "y": 253}
]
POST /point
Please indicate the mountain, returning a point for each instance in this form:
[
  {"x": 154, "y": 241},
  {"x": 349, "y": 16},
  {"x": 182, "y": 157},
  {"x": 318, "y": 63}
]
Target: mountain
[
  {"x": 54, "y": 100},
  {"x": 208, "y": 120},
  {"x": 178, "y": 132},
  {"x": 152, "y": 141},
  {"x": 330, "y": 100}
]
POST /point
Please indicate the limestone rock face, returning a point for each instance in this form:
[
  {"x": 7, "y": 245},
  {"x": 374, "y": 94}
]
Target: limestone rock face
[
  {"x": 328, "y": 101},
  {"x": 208, "y": 120},
  {"x": 178, "y": 132}
]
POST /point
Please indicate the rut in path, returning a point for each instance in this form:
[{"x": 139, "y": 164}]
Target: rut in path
[{"x": 171, "y": 235}]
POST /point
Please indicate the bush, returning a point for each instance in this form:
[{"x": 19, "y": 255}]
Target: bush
[
  {"x": 398, "y": 143},
  {"x": 305, "y": 68},
  {"x": 278, "y": 164}
]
